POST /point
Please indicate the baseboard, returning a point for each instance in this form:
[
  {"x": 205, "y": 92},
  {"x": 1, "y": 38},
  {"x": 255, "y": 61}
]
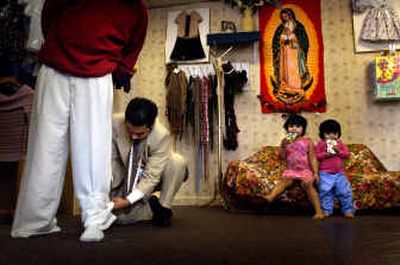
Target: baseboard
[
  {"x": 196, "y": 201},
  {"x": 178, "y": 201}
]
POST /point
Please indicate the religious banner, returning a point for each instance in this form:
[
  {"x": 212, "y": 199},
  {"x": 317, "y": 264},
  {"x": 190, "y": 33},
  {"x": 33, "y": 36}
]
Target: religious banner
[{"x": 291, "y": 57}]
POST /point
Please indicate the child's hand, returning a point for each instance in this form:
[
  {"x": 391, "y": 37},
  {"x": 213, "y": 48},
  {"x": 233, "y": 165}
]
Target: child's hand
[
  {"x": 285, "y": 142},
  {"x": 316, "y": 178},
  {"x": 335, "y": 148}
]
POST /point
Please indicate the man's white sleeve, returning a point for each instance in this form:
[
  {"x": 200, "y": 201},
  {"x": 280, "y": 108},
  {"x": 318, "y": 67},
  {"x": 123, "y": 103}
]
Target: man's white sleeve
[{"x": 134, "y": 196}]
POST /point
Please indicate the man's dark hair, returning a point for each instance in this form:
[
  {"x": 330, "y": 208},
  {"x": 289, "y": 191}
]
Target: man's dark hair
[
  {"x": 329, "y": 126},
  {"x": 141, "y": 111},
  {"x": 296, "y": 120}
]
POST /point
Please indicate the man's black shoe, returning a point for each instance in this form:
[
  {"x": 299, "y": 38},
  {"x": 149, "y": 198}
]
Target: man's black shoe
[{"x": 161, "y": 216}]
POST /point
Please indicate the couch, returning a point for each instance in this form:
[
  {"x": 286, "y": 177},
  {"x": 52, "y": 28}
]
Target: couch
[{"x": 246, "y": 181}]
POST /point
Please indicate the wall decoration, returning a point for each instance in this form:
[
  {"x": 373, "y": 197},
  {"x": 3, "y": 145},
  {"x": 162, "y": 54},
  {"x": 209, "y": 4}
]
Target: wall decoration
[
  {"x": 186, "y": 36},
  {"x": 291, "y": 58},
  {"x": 387, "y": 77},
  {"x": 376, "y": 24},
  {"x": 228, "y": 26}
]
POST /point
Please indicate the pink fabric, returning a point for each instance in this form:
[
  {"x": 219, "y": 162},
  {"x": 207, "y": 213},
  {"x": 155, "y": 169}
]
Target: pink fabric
[
  {"x": 297, "y": 162},
  {"x": 21, "y": 99},
  {"x": 331, "y": 164},
  {"x": 14, "y": 123}
]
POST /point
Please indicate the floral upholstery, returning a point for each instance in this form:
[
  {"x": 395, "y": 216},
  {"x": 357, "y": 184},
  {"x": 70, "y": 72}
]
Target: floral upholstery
[{"x": 246, "y": 181}]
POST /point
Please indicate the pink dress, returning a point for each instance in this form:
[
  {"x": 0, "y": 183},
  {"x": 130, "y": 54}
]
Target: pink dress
[{"x": 297, "y": 163}]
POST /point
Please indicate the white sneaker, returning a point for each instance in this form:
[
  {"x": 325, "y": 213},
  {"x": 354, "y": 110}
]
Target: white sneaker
[
  {"x": 108, "y": 222},
  {"x": 92, "y": 234}
]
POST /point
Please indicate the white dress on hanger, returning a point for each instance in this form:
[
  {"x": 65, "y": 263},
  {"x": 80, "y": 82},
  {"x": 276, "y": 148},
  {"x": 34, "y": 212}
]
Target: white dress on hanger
[{"x": 381, "y": 23}]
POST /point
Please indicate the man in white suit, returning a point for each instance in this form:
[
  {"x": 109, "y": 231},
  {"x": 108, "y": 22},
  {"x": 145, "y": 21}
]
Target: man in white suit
[{"x": 143, "y": 162}]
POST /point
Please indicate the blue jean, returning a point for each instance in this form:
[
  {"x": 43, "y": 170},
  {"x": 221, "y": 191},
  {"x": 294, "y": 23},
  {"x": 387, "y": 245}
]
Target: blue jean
[{"x": 331, "y": 185}]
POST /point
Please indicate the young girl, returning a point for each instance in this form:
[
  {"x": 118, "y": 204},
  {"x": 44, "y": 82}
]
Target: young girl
[
  {"x": 330, "y": 152},
  {"x": 301, "y": 163}
]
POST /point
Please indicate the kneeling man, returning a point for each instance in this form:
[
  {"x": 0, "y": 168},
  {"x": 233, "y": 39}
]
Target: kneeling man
[{"x": 143, "y": 162}]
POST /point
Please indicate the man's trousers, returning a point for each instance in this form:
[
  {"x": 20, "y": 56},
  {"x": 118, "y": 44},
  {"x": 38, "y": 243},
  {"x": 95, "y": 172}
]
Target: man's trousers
[{"x": 67, "y": 112}]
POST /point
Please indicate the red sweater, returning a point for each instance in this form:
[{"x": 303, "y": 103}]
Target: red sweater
[
  {"x": 331, "y": 163},
  {"x": 92, "y": 38}
]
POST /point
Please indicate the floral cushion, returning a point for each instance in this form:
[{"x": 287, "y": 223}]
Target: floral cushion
[{"x": 246, "y": 181}]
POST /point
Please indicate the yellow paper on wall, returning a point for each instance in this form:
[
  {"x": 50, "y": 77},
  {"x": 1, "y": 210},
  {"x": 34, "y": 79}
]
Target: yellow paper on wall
[{"x": 387, "y": 77}]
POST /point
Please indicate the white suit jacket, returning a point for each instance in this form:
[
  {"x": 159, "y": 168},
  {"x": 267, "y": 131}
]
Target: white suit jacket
[{"x": 159, "y": 150}]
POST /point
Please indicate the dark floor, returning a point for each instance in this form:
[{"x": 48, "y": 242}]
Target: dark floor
[{"x": 215, "y": 236}]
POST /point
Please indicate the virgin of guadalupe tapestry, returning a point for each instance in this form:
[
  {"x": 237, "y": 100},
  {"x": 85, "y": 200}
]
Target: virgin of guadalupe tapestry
[{"x": 291, "y": 58}]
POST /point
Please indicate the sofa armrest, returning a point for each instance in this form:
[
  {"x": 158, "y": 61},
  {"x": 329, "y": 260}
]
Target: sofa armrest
[{"x": 362, "y": 160}]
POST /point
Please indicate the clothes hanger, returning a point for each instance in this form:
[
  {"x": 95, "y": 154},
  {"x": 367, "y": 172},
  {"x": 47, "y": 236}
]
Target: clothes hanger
[
  {"x": 228, "y": 68},
  {"x": 9, "y": 79},
  {"x": 176, "y": 70}
]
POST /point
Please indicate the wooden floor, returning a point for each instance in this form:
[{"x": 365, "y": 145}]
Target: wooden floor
[{"x": 215, "y": 236}]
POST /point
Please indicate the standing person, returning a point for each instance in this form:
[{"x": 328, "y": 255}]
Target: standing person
[
  {"x": 143, "y": 161},
  {"x": 331, "y": 152},
  {"x": 301, "y": 163},
  {"x": 88, "y": 44}
]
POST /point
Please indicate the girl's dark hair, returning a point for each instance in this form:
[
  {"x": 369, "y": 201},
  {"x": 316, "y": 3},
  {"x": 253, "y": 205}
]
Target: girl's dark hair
[
  {"x": 329, "y": 126},
  {"x": 141, "y": 111},
  {"x": 296, "y": 120}
]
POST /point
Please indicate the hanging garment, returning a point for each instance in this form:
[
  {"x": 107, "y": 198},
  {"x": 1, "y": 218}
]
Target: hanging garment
[
  {"x": 176, "y": 84},
  {"x": 234, "y": 82},
  {"x": 188, "y": 44},
  {"x": 212, "y": 108},
  {"x": 12, "y": 31},
  {"x": 199, "y": 169},
  {"x": 381, "y": 23},
  {"x": 360, "y": 6},
  {"x": 14, "y": 122},
  {"x": 35, "y": 39},
  {"x": 204, "y": 122},
  {"x": 189, "y": 110}
]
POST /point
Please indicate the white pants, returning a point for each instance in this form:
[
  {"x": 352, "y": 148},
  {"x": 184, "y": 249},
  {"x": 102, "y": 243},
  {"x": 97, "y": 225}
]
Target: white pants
[{"x": 67, "y": 111}]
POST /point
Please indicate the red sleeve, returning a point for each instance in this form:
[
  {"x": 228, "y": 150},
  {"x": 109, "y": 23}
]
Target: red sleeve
[
  {"x": 51, "y": 12},
  {"x": 320, "y": 150},
  {"x": 135, "y": 45},
  {"x": 343, "y": 150}
]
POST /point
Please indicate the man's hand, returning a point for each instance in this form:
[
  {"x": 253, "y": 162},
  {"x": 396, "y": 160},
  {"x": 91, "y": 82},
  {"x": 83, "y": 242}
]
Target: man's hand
[
  {"x": 122, "y": 80},
  {"x": 120, "y": 203}
]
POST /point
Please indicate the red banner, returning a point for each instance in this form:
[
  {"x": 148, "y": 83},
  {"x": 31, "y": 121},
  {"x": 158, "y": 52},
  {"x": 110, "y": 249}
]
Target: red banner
[{"x": 292, "y": 57}]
